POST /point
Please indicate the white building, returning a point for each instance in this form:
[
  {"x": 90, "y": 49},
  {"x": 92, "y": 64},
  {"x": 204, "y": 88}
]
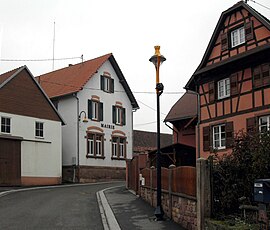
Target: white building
[
  {"x": 95, "y": 90},
  {"x": 30, "y": 134}
]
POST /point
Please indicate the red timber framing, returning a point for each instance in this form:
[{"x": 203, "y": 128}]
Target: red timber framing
[{"x": 233, "y": 79}]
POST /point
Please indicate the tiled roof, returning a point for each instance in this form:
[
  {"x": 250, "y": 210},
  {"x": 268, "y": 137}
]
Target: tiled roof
[
  {"x": 5, "y": 78},
  {"x": 7, "y": 75},
  {"x": 70, "y": 79},
  {"x": 147, "y": 141},
  {"x": 185, "y": 107},
  {"x": 73, "y": 78}
]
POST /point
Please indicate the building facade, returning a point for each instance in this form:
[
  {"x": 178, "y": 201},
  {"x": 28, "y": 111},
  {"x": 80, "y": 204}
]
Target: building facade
[
  {"x": 30, "y": 134},
  {"x": 233, "y": 80},
  {"x": 97, "y": 104}
]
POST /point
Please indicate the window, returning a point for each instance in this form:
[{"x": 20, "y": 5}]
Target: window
[
  {"x": 264, "y": 124},
  {"x": 119, "y": 115},
  {"x": 219, "y": 137},
  {"x": 5, "y": 124},
  {"x": 95, "y": 110},
  {"x": 261, "y": 75},
  {"x": 107, "y": 84},
  {"x": 39, "y": 129},
  {"x": 238, "y": 36},
  {"x": 95, "y": 145},
  {"x": 224, "y": 88},
  {"x": 118, "y": 147}
]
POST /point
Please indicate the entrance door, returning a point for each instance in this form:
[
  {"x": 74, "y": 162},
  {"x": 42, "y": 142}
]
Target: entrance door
[{"x": 10, "y": 162}]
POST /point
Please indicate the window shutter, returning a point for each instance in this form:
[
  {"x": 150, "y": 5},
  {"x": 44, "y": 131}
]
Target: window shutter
[
  {"x": 102, "y": 82},
  {"x": 249, "y": 31},
  {"x": 112, "y": 85},
  {"x": 206, "y": 138},
  {"x": 251, "y": 125},
  {"x": 265, "y": 74},
  {"x": 257, "y": 81},
  {"x": 234, "y": 84},
  {"x": 229, "y": 134},
  {"x": 211, "y": 86},
  {"x": 123, "y": 116},
  {"x": 89, "y": 109},
  {"x": 224, "y": 41},
  {"x": 100, "y": 111},
  {"x": 114, "y": 114}
]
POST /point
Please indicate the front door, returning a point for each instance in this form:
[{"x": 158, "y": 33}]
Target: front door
[{"x": 10, "y": 162}]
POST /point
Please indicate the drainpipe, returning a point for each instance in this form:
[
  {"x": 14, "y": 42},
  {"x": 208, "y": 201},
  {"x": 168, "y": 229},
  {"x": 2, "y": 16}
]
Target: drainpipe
[{"x": 78, "y": 140}]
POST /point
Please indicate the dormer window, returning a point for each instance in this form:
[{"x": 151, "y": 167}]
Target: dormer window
[
  {"x": 107, "y": 84},
  {"x": 238, "y": 36}
]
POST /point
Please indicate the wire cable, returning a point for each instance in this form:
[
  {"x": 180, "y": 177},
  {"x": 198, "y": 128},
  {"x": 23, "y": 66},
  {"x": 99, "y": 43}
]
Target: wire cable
[
  {"x": 260, "y": 4},
  {"x": 45, "y": 59}
]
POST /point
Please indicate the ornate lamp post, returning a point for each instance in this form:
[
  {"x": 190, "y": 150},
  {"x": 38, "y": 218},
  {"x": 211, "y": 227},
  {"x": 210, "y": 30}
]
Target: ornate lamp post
[{"x": 157, "y": 59}]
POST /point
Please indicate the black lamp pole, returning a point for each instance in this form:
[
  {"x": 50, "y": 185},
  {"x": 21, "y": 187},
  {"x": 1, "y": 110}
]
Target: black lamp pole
[{"x": 157, "y": 60}]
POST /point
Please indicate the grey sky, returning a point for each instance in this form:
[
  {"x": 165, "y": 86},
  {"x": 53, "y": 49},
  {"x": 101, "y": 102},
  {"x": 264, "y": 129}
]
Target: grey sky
[{"x": 128, "y": 29}]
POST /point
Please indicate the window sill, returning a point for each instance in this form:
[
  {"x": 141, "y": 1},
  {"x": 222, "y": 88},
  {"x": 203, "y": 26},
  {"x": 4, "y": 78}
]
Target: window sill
[
  {"x": 96, "y": 157},
  {"x": 40, "y": 138},
  {"x": 118, "y": 158}
]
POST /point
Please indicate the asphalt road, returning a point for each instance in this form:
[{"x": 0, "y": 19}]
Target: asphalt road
[{"x": 73, "y": 208}]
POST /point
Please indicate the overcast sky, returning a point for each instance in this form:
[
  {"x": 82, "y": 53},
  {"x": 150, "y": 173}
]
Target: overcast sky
[{"x": 128, "y": 29}]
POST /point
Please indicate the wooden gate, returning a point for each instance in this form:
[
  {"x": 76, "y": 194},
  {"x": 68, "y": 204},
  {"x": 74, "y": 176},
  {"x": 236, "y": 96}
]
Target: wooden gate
[{"x": 10, "y": 162}]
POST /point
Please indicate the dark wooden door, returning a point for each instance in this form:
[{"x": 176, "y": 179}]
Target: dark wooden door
[{"x": 10, "y": 162}]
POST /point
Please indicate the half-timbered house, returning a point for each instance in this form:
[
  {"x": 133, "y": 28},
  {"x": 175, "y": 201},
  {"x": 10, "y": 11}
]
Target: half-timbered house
[{"x": 233, "y": 80}]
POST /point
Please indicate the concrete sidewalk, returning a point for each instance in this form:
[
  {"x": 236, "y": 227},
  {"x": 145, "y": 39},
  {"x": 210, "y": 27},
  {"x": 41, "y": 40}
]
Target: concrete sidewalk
[{"x": 131, "y": 212}]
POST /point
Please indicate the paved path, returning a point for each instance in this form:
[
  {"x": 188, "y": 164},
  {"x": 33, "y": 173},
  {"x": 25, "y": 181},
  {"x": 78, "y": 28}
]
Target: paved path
[{"x": 131, "y": 212}]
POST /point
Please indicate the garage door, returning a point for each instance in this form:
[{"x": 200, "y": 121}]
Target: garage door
[{"x": 10, "y": 162}]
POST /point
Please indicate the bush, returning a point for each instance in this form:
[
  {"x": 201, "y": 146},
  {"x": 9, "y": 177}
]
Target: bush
[{"x": 234, "y": 174}]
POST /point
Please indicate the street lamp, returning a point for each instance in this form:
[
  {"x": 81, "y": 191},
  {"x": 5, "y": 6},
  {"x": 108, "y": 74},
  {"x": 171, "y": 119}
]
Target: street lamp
[
  {"x": 157, "y": 59},
  {"x": 84, "y": 120}
]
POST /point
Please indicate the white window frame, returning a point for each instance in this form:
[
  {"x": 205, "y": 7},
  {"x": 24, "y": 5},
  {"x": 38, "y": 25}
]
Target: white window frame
[
  {"x": 114, "y": 146},
  {"x": 238, "y": 37},
  {"x": 118, "y": 115},
  {"x": 4, "y": 125},
  {"x": 224, "y": 88},
  {"x": 98, "y": 146},
  {"x": 91, "y": 147},
  {"x": 107, "y": 84},
  {"x": 95, "y": 111},
  {"x": 39, "y": 130},
  {"x": 217, "y": 137},
  {"x": 267, "y": 125},
  {"x": 118, "y": 147}
]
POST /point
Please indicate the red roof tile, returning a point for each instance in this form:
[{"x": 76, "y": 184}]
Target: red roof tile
[
  {"x": 70, "y": 79},
  {"x": 185, "y": 107}
]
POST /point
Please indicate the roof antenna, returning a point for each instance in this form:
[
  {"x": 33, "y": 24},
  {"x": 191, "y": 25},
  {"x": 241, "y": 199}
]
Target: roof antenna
[
  {"x": 82, "y": 58},
  {"x": 53, "y": 44}
]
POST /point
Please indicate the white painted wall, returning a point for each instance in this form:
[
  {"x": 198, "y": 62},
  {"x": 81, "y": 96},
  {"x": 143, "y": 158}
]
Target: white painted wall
[
  {"x": 67, "y": 107},
  {"x": 40, "y": 157}
]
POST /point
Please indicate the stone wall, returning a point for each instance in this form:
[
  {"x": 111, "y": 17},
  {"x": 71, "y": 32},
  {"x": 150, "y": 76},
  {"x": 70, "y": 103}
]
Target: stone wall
[
  {"x": 90, "y": 174},
  {"x": 181, "y": 208}
]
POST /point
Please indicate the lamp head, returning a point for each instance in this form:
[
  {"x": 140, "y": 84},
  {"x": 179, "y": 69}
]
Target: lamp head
[
  {"x": 85, "y": 120},
  {"x": 157, "y": 59}
]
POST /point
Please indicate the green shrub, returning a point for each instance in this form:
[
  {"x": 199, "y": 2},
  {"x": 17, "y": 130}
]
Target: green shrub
[{"x": 233, "y": 175}]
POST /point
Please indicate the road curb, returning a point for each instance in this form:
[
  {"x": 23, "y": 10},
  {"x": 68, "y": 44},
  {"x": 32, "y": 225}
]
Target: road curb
[
  {"x": 5, "y": 193},
  {"x": 108, "y": 219}
]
